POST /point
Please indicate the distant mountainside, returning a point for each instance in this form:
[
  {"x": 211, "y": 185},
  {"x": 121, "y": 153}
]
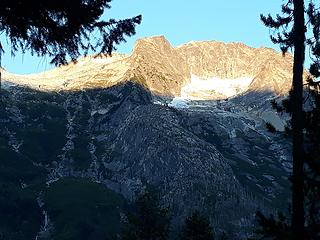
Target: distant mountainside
[
  {"x": 189, "y": 120},
  {"x": 164, "y": 70}
]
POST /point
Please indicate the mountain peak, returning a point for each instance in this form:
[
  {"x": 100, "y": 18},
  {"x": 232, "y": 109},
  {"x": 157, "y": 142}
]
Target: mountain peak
[
  {"x": 155, "y": 42},
  {"x": 157, "y": 38},
  {"x": 165, "y": 69}
]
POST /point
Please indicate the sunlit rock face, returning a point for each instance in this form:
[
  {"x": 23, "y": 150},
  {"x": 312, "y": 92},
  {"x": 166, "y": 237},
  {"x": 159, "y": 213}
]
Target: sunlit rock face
[
  {"x": 268, "y": 69},
  {"x": 162, "y": 69},
  {"x": 87, "y": 73},
  {"x": 229, "y": 68}
]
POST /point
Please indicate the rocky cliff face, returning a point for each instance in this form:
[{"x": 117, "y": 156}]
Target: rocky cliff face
[
  {"x": 164, "y": 69},
  {"x": 114, "y": 120},
  {"x": 269, "y": 70}
]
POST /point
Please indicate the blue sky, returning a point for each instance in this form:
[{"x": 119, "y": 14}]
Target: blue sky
[{"x": 180, "y": 21}]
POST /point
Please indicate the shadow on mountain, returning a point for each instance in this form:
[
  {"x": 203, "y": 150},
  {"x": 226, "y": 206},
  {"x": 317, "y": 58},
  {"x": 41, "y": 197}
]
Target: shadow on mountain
[{"x": 213, "y": 157}]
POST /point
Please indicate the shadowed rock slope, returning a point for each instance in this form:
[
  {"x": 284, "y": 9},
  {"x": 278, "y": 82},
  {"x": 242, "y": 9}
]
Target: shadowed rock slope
[
  {"x": 208, "y": 157},
  {"x": 97, "y": 120}
]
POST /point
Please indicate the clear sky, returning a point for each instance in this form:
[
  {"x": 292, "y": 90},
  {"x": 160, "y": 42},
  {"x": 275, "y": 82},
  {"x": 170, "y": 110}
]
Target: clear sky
[{"x": 180, "y": 21}]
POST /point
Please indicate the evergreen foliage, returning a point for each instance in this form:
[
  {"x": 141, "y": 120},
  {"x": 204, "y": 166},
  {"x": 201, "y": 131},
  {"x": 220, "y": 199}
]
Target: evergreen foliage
[
  {"x": 80, "y": 209},
  {"x": 274, "y": 228},
  {"x": 304, "y": 126},
  {"x": 196, "y": 227},
  {"x": 62, "y": 29},
  {"x": 147, "y": 220}
]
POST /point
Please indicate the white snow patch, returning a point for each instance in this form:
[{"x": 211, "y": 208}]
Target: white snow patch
[
  {"x": 179, "y": 102},
  {"x": 159, "y": 103},
  {"x": 204, "y": 89},
  {"x": 226, "y": 87}
]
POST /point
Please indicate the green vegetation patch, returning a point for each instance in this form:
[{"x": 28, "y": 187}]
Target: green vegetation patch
[
  {"x": 81, "y": 209},
  {"x": 20, "y": 183},
  {"x": 20, "y": 214}
]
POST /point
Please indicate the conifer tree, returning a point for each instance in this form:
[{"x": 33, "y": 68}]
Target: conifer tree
[
  {"x": 294, "y": 37},
  {"x": 305, "y": 125},
  {"x": 62, "y": 30},
  {"x": 196, "y": 227},
  {"x": 148, "y": 220}
]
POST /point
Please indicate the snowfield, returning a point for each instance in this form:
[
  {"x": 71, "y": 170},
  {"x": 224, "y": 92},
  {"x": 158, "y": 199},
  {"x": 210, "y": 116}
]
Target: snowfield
[
  {"x": 212, "y": 88},
  {"x": 179, "y": 102},
  {"x": 225, "y": 87}
]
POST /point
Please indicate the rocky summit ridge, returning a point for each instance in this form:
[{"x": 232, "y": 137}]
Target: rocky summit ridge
[{"x": 164, "y": 69}]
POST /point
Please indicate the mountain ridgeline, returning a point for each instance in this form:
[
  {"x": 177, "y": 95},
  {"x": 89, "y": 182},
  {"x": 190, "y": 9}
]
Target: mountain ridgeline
[
  {"x": 164, "y": 70},
  {"x": 189, "y": 120}
]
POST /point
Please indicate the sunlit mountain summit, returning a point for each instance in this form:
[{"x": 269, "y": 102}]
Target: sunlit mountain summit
[{"x": 164, "y": 69}]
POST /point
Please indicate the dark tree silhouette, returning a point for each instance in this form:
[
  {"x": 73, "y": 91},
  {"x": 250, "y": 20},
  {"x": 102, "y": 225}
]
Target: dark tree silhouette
[
  {"x": 61, "y": 29},
  {"x": 270, "y": 127},
  {"x": 279, "y": 228},
  {"x": 148, "y": 220},
  {"x": 196, "y": 227},
  {"x": 273, "y": 228},
  {"x": 312, "y": 130},
  {"x": 305, "y": 127},
  {"x": 294, "y": 37},
  {"x": 312, "y": 165}
]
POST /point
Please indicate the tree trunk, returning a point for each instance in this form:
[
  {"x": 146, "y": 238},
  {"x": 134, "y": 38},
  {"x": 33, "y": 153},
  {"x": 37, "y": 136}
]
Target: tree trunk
[
  {"x": 0, "y": 76},
  {"x": 0, "y": 81},
  {"x": 297, "y": 122}
]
